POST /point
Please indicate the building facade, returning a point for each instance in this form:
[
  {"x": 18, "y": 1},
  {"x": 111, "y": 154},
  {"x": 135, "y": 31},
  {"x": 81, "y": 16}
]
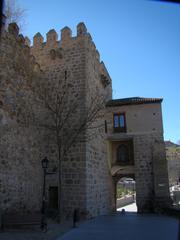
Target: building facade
[{"x": 123, "y": 138}]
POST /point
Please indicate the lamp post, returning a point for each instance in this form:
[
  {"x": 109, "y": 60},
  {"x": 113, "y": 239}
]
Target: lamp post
[{"x": 44, "y": 163}]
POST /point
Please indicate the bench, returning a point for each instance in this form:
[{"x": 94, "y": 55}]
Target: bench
[{"x": 12, "y": 220}]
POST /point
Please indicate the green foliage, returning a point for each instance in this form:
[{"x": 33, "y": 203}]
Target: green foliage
[
  {"x": 172, "y": 152},
  {"x": 122, "y": 191}
]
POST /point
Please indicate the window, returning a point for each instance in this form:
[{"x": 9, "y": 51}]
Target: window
[
  {"x": 119, "y": 122},
  {"x": 122, "y": 155}
]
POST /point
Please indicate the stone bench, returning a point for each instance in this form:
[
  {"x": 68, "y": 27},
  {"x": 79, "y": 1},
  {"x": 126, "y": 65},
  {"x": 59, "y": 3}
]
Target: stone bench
[{"x": 13, "y": 220}]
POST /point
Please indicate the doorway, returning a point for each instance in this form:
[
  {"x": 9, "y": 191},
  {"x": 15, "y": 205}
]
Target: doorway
[
  {"x": 53, "y": 201},
  {"x": 126, "y": 194}
]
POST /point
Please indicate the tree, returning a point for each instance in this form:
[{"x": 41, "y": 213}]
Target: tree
[
  {"x": 57, "y": 108},
  {"x": 68, "y": 119},
  {"x": 14, "y": 13},
  {"x": 54, "y": 105}
]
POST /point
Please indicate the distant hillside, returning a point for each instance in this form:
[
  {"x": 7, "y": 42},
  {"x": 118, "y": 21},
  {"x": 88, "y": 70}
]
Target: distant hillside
[
  {"x": 172, "y": 150},
  {"x": 173, "y": 159},
  {"x": 171, "y": 144}
]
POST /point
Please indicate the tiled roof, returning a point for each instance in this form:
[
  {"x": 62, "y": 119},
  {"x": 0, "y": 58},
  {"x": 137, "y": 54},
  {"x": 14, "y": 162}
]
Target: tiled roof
[{"x": 132, "y": 101}]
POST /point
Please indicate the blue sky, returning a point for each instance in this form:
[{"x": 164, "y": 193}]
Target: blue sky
[{"x": 138, "y": 40}]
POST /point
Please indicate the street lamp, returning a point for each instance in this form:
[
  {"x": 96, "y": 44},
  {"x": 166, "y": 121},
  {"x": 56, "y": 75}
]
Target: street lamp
[{"x": 44, "y": 163}]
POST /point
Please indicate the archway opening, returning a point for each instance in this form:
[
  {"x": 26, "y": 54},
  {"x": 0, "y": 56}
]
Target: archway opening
[{"x": 126, "y": 194}]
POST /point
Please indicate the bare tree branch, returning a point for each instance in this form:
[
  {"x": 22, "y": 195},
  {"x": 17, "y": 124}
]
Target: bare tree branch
[{"x": 15, "y": 13}]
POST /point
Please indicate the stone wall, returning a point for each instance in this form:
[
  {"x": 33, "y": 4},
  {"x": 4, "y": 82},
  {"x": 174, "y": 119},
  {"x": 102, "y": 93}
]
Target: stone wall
[
  {"x": 140, "y": 118},
  {"x": 174, "y": 170},
  {"x": 63, "y": 63},
  {"x": 72, "y": 67},
  {"x": 145, "y": 135},
  {"x": 86, "y": 178},
  {"x": 160, "y": 174},
  {"x": 121, "y": 202},
  {"x": 20, "y": 146},
  {"x": 173, "y": 158},
  {"x": 21, "y": 172},
  {"x": 66, "y": 73},
  {"x": 143, "y": 156},
  {"x": 99, "y": 187}
]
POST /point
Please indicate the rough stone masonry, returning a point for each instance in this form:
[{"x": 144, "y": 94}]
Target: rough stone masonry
[{"x": 88, "y": 179}]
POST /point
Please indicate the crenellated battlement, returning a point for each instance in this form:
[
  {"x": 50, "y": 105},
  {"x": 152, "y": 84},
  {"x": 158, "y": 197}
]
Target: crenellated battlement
[
  {"x": 68, "y": 50},
  {"x": 66, "y": 38},
  {"x": 64, "y": 79},
  {"x": 56, "y": 47},
  {"x": 12, "y": 35},
  {"x": 38, "y": 40},
  {"x": 24, "y": 61},
  {"x": 13, "y": 29},
  {"x": 66, "y": 35},
  {"x": 27, "y": 42},
  {"x": 81, "y": 29},
  {"x": 52, "y": 38},
  {"x": 62, "y": 71}
]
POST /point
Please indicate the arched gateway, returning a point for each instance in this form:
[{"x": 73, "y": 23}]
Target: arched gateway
[{"x": 136, "y": 149}]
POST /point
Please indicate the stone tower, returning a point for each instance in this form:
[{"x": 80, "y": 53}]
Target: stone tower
[
  {"x": 118, "y": 143},
  {"x": 86, "y": 178}
]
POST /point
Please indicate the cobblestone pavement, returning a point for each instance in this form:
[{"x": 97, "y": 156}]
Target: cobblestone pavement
[
  {"x": 34, "y": 233},
  {"x": 128, "y": 226}
]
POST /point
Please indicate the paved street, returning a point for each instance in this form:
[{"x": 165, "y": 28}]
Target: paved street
[
  {"x": 130, "y": 226},
  {"x": 129, "y": 208},
  {"x": 34, "y": 233}
]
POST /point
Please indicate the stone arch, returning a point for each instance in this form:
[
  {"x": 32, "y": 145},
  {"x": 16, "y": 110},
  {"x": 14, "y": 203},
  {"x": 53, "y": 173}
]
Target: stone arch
[{"x": 116, "y": 179}]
